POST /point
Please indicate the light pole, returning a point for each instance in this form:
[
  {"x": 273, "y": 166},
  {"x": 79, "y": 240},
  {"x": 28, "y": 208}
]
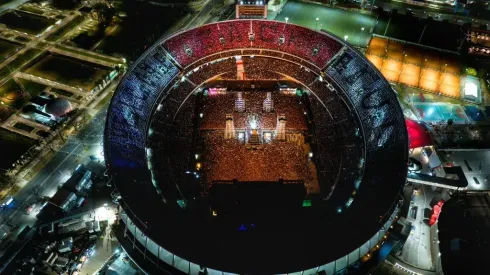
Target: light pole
[
  {"x": 359, "y": 37},
  {"x": 287, "y": 19},
  {"x": 317, "y": 23},
  {"x": 345, "y": 38}
]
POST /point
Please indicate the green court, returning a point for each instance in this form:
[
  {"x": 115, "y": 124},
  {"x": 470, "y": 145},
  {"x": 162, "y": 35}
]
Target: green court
[{"x": 337, "y": 21}]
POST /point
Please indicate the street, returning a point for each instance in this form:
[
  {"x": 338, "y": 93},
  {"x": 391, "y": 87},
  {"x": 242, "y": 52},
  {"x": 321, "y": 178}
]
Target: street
[
  {"x": 12, "y": 5},
  {"x": 87, "y": 142},
  {"x": 416, "y": 250}
]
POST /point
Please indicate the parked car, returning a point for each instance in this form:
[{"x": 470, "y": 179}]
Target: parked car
[{"x": 30, "y": 208}]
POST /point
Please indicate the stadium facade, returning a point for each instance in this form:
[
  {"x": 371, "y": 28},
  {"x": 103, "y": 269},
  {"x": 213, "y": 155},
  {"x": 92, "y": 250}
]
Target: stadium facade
[{"x": 163, "y": 232}]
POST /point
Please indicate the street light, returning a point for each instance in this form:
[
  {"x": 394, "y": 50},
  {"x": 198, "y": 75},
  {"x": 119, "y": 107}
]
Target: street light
[
  {"x": 317, "y": 23},
  {"x": 287, "y": 19},
  {"x": 359, "y": 37},
  {"x": 345, "y": 37}
]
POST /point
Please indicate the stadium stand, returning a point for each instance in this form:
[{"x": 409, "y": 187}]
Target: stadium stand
[
  {"x": 361, "y": 84},
  {"x": 261, "y": 64},
  {"x": 192, "y": 45},
  {"x": 131, "y": 108},
  {"x": 212, "y": 69}
]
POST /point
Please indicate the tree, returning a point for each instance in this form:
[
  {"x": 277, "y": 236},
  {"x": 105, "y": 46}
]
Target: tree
[{"x": 102, "y": 13}]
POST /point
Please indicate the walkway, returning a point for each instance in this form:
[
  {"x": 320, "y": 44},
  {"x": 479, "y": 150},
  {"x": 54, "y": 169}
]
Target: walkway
[
  {"x": 81, "y": 57},
  {"x": 47, "y": 82},
  {"x": 417, "y": 250}
]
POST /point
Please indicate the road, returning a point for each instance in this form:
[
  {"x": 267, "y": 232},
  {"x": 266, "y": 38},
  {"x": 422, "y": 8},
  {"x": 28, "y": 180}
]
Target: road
[
  {"x": 87, "y": 142},
  {"x": 416, "y": 250},
  {"x": 12, "y": 5}
]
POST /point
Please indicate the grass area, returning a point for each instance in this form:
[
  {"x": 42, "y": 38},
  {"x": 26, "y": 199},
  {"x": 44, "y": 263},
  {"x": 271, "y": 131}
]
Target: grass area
[
  {"x": 32, "y": 88},
  {"x": 134, "y": 34},
  {"x": 68, "y": 71},
  {"x": 25, "y": 22},
  {"x": 5, "y": 112},
  {"x": 19, "y": 62},
  {"x": 397, "y": 27},
  {"x": 12, "y": 95},
  {"x": 65, "y": 29},
  {"x": 86, "y": 54},
  {"x": 7, "y": 48},
  {"x": 87, "y": 39},
  {"x": 337, "y": 21},
  {"x": 42, "y": 45},
  {"x": 61, "y": 92},
  {"x": 13, "y": 145},
  {"x": 43, "y": 134},
  {"x": 104, "y": 102},
  {"x": 22, "y": 39},
  {"x": 23, "y": 127},
  {"x": 432, "y": 33}
]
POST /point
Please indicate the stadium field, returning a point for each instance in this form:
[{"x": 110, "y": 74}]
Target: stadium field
[{"x": 336, "y": 21}]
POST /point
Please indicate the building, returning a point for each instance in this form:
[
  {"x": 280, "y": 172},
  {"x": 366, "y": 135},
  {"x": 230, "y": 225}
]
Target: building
[{"x": 251, "y": 9}]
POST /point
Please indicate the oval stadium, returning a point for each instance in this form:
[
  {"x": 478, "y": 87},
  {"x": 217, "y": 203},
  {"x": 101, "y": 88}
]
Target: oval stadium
[{"x": 254, "y": 147}]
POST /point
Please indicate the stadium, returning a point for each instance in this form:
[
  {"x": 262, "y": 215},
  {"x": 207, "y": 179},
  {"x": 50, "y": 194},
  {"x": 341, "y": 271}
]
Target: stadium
[{"x": 254, "y": 147}]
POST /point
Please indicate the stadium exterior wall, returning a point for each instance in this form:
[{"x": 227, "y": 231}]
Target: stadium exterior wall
[{"x": 164, "y": 259}]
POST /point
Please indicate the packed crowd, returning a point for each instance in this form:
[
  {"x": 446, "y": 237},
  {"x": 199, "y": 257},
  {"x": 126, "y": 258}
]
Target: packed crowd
[
  {"x": 194, "y": 44},
  {"x": 132, "y": 105},
  {"x": 210, "y": 70},
  {"x": 376, "y": 105},
  {"x": 228, "y": 160},
  {"x": 262, "y": 65},
  {"x": 216, "y": 107},
  {"x": 263, "y": 75}
]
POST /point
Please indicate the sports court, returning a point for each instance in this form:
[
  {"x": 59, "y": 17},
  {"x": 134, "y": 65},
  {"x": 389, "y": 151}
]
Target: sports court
[
  {"x": 437, "y": 112},
  {"x": 414, "y": 66}
]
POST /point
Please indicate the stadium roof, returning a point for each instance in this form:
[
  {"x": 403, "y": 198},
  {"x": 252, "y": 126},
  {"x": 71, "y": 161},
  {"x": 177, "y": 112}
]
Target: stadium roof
[{"x": 418, "y": 134}]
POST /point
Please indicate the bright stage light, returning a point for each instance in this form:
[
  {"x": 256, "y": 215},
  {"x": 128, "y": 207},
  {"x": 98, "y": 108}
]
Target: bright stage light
[
  {"x": 470, "y": 89},
  {"x": 253, "y": 121}
]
